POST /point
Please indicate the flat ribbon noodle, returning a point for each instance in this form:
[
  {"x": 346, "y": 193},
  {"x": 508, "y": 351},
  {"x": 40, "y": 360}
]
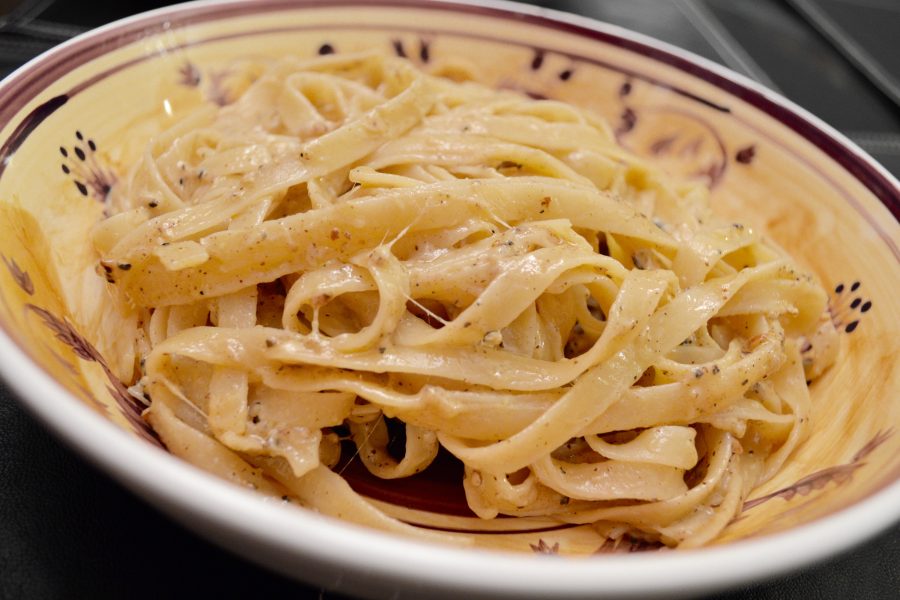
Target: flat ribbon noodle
[{"x": 354, "y": 253}]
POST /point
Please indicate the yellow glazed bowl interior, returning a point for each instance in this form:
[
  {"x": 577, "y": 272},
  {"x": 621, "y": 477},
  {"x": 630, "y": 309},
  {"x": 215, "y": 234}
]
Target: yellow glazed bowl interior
[{"x": 73, "y": 121}]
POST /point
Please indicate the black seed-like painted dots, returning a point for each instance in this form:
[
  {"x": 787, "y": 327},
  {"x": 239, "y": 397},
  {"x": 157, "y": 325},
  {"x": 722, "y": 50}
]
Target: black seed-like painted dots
[
  {"x": 841, "y": 307},
  {"x": 745, "y": 155},
  {"x": 629, "y": 120},
  {"x": 87, "y": 173}
]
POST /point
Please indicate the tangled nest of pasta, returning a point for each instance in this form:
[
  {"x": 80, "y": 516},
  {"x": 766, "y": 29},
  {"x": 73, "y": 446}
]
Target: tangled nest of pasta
[{"x": 353, "y": 240}]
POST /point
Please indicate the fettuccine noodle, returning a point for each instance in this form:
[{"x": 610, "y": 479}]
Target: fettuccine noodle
[{"x": 354, "y": 244}]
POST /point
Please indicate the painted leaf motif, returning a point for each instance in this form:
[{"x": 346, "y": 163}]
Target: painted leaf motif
[
  {"x": 64, "y": 332},
  {"x": 22, "y": 278},
  {"x": 627, "y": 545},
  {"x": 876, "y": 441},
  {"x": 543, "y": 547},
  {"x": 189, "y": 75},
  {"x": 839, "y": 474},
  {"x": 131, "y": 407}
]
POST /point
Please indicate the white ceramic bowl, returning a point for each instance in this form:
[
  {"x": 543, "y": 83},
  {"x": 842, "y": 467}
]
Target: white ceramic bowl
[{"x": 105, "y": 82}]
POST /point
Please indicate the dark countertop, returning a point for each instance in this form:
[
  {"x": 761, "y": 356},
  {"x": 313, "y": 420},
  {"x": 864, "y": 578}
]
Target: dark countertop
[{"x": 68, "y": 531}]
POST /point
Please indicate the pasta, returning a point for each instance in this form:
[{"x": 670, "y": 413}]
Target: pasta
[{"x": 354, "y": 246}]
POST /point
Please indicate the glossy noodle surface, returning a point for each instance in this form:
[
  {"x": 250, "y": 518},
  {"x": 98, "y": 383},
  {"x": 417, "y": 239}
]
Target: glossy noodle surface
[{"x": 355, "y": 246}]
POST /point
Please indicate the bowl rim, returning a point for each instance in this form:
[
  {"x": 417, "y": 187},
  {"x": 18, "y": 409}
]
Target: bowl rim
[{"x": 194, "y": 495}]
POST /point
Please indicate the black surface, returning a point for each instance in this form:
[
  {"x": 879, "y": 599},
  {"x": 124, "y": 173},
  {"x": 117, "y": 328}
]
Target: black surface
[
  {"x": 865, "y": 31},
  {"x": 806, "y": 68},
  {"x": 68, "y": 531}
]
